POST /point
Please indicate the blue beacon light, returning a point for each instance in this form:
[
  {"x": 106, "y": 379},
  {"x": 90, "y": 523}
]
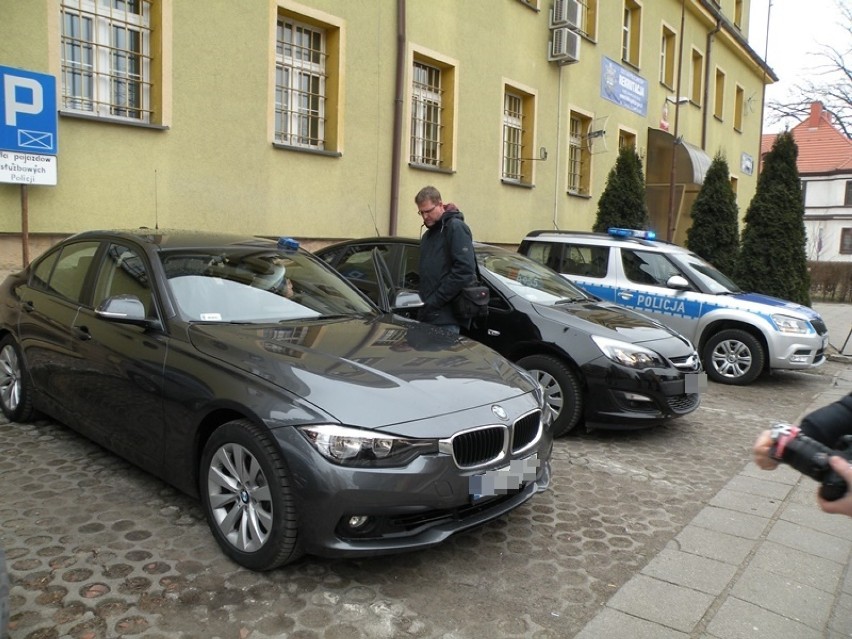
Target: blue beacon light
[{"x": 639, "y": 234}]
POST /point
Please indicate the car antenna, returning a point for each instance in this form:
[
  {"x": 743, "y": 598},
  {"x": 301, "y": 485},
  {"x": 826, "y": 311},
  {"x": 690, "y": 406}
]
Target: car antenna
[{"x": 373, "y": 217}]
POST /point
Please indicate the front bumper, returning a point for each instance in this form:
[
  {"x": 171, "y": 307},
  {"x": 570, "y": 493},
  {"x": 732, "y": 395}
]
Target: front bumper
[
  {"x": 797, "y": 352},
  {"x": 623, "y": 398},
  {"x": 406, "y": 508}
]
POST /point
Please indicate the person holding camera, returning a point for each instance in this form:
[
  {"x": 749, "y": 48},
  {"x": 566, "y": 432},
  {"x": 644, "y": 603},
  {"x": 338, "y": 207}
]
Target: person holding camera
[
  {"x": 827, "y": 426},
  {"x": 447, "y": 261}
]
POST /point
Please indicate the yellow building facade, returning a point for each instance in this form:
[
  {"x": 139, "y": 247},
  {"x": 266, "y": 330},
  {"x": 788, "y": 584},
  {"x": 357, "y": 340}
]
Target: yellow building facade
[{"x": 321, "y": 119}]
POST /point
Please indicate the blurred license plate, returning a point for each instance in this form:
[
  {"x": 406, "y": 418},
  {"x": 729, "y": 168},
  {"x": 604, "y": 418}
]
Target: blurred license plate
[
  {"x": 695, "y": 382},
  {"x": 505, "y": 480}
]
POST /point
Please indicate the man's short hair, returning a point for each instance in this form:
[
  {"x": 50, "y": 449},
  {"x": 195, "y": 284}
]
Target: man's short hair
[{"x": 427, "y": 193}]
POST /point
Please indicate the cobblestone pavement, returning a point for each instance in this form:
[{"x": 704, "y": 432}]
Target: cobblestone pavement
[{"x": 96, "y": 548}]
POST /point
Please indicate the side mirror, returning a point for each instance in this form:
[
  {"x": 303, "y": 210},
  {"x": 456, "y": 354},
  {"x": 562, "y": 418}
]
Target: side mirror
[
  {"x": 678, "y": 282},
  {"x": 125, "y": 309},
  {"x": 406, "y": 299}
]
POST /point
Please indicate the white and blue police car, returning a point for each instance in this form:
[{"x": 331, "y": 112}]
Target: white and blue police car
[{"x": 738, "y": 334}]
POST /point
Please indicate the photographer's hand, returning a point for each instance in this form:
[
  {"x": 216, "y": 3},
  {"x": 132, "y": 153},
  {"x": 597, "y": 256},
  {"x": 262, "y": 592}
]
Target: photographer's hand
[
  {"x": 761, "y": 451},
  {"x": 842, "y": 506}
]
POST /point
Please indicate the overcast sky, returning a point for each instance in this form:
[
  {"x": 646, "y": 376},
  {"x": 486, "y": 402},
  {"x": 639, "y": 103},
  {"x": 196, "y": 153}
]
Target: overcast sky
[{"x": 796, "y": 30}]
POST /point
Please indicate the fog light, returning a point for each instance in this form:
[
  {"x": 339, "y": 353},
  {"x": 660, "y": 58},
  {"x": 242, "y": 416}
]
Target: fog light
[
  {"x": 634, "y": 397},
  {"x": 357, "y": 521},
  {"x": 799, "y": 359}
]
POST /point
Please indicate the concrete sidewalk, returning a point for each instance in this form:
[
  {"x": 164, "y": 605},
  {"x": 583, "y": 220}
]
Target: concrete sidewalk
[
  {"x": 761, "y": 560},
  {"x": 838, "y": 318}
]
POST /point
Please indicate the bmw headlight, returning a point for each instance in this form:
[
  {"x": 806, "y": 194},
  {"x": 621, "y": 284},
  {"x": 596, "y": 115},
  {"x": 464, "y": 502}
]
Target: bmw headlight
[
  {"x": 355, "y": 447},
  {"x": 628, "y": 354},
  {"x": 790, "y": 325}
]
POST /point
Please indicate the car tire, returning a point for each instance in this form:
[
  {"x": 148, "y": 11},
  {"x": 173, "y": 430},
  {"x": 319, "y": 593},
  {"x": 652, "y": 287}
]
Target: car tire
[
  {"x": 248, "y": 496},
  {"x": 563, "y": 396},
  {"x": 16, "y": 395},
  {"x": 733, "y": 356}
]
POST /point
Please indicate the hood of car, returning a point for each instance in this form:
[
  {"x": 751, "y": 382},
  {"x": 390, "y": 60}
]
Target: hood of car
[
  {"x": 757, "y": 300},
  {"x": 602, "y": 318},
  {"x": 367, "y": 373}
]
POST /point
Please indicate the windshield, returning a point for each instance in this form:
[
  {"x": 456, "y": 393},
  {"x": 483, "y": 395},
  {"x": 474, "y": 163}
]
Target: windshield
[
  {"x": 240, "y": 284},
  {"x": 709, "y": 276},
  {"x": 527, "y": 278}
]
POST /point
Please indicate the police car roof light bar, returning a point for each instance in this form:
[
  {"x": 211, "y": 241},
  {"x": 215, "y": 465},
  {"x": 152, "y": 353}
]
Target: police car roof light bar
[{"x": 639, "y": 234}]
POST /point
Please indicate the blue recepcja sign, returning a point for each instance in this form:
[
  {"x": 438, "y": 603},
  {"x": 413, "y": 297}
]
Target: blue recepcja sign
[
  {"x": 624, "y": 87},
  {"x": 28, "y": 121}
]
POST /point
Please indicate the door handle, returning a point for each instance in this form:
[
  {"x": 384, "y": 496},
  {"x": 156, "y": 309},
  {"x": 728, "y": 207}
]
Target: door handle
[{"x": 83, "y": 333}]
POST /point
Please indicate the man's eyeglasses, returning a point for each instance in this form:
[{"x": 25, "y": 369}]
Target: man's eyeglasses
[{"x": 427, "y": 211}]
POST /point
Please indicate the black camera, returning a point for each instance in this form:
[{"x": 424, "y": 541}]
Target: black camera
[{"x": 810, "y": 458}]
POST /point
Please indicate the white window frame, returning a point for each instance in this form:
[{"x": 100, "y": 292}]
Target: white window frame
[
  {"x": 668, "y": 44},
  {"x": 300, "y": 84},
  {"x": 426, "y": 114},
  {"x": 513, "y": 135},
  {"x": 100, "y": 73},
  {"x": 578, "y": 153}
]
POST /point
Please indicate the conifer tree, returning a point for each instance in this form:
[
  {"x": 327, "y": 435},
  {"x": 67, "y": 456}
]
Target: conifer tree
[
  {"x": 773, "y": 259},
  {"x": 622, "y": 202},
  {"x": 714, "y": 234}
]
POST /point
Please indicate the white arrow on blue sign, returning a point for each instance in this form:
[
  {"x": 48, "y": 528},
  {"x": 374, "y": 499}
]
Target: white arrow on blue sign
[{"x": 28, "y": 120}]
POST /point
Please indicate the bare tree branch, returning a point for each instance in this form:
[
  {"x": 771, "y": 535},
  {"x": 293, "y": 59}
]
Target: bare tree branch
[{"x": 830, "y": 83}]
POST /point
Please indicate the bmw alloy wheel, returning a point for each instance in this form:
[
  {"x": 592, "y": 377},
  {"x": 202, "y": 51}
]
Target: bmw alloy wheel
[{"x": 239, "y": 496}]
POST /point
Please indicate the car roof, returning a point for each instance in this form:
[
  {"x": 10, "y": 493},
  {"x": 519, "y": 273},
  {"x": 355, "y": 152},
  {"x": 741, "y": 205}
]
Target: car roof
[
  {"x": 384, "y": 239},
  {"x": 177, "y": 238},
  {"x": 602, "y": 239}
]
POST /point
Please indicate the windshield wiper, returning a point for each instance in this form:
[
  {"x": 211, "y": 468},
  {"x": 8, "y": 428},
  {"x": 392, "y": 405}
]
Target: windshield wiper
[{"x": 571, "y": 300}]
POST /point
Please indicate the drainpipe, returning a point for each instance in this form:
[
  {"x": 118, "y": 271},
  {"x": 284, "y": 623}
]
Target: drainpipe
[
  {"x": 707, "y": 83},
  {"x": 396, "y": 154}
]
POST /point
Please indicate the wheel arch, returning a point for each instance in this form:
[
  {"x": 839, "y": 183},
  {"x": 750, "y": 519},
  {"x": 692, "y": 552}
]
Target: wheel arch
[{"x": 526, "y": 349}]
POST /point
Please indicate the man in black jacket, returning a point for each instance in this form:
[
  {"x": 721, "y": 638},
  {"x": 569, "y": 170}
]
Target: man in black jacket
[
  {"x": 447, "y": 262},
  {"x": 825, "y": 425}
]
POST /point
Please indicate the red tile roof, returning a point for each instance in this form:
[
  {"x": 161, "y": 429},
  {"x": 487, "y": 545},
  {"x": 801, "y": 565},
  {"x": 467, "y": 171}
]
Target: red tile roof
[{"x": 822, "y": 148}]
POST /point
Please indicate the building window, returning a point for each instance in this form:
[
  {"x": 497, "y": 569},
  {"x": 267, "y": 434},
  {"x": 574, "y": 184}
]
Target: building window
[
  {"x": 513, "y": 127},
  {"x": 847, "y": 200},
  {"x": 426, "y": 108},
  {"x": 719, "y": 103},
  {"x": 667, "y": 57},
  {"x": 588, "y": 25},
  {"x": 518, "y": 110},
  {"x": 738, "y": 14},
  {"x": 697, "y": 80},
  {"x": 739, "y": 105},
  {"x": 631, "y": 28},
  {"x": 626, "y": 139},
  {"x": 846, "y": 241},
  {"x": 579, "y": 157},
  {"x": 106, "y": 63},
  {"x": 300, "y": 84},
  {"x": 735, "y": 183},
  {"x": 431, "y": 113}
]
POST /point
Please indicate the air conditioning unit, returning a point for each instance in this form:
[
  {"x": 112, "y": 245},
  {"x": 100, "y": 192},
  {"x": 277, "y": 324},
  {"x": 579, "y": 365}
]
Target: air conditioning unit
[
  {"x": 565, "y": 13},
  {"x": 565, "y": 46}
]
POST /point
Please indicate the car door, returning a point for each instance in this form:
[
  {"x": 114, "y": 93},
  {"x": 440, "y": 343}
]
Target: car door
[
  {"x": 51, "y": 348},
  {"x": 644, "y": 283},
  {"x": 121, "y": 392},
  {"x": 362, "y": 264}
]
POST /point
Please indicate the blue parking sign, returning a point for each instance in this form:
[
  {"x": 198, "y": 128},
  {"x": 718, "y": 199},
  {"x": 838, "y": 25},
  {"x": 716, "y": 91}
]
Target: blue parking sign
[{"x": 28, "y": 122}]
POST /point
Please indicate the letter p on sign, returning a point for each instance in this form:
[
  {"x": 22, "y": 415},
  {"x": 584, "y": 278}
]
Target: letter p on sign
[
  {"x": 28, "y": 116},
  {"x": 15, "y": 90}
]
